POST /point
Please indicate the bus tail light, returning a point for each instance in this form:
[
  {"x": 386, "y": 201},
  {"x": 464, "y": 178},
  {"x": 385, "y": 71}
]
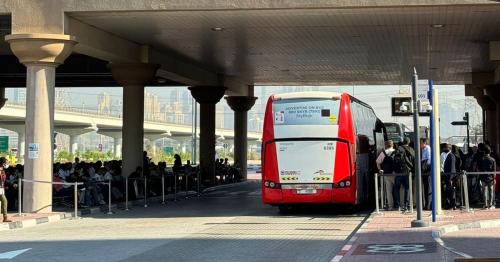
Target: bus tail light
[{"x": 271, "y": 184}]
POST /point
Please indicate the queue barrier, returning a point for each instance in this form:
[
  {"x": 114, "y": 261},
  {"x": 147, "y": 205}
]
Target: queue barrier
[
  {"x": 20, "y": 186},
  {"x": 381, "y": 175},
  {"x": 108, "y": 183},
  {"x": 464, "y": 187}
]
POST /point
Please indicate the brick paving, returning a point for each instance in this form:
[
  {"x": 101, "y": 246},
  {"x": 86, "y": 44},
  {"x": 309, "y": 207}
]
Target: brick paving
[{"x": 393, "y": 228}]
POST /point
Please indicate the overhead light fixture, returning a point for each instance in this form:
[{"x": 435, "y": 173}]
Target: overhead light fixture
[
  {"x": 437, "y": 25},
  {"x": 217, "y": 29}
]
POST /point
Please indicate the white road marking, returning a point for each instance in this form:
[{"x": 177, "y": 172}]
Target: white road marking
[{"x": 13, "y": 254}]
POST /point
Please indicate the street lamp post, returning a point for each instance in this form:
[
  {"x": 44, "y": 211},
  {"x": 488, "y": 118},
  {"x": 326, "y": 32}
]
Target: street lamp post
[{"x": 419, "y": 222}]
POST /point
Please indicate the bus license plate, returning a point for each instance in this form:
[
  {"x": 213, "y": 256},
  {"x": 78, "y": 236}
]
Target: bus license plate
[{"x": 306, "y": 191}]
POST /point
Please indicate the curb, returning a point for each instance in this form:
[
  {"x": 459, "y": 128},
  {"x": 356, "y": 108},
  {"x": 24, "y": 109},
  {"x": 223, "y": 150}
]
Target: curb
[
  {"x": 352, "y": 240},
  {"x": 34, "y": 221},
  {"x": 440, "y": 231},
  {"x": 437, "y": 233}
]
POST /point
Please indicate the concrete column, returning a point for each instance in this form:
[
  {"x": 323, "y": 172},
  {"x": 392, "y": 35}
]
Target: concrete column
[
  {"x": 488, "y": 106},
  {"x": 117, "y": 147},
  {"x": 41, "y": 54},
  {"x": 73, "y": 145},
  {"x": 21, "y": 143},
  {"x": 3, "y": 100},
  {"x": 133, "y": 77},
  {"x": 207, "y": 97},
  {"x": 240, "y": 106},
  {"x": 493, "y": 116}
]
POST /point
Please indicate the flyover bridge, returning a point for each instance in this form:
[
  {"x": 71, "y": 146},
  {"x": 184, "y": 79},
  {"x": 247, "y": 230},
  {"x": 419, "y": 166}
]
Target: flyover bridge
[{"x": 74, "y": 122}]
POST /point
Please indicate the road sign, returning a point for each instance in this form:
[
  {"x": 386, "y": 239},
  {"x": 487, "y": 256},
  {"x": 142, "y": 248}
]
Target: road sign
[
  {"x": 423, "y": 90},
  {"x": 100, "y": 147},
  {"x": 33, "y": 150},
  {"x": 459, "y": 123},
  {"x": 4, "y": 143},
  {"x": 168, "y": 150}
]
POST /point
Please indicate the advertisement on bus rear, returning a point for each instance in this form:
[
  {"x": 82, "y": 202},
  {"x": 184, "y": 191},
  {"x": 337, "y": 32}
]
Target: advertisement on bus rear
[{"x": 306, "y": 161}]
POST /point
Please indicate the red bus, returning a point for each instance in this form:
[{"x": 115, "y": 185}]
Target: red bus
[{"x": 318, "y": 148}]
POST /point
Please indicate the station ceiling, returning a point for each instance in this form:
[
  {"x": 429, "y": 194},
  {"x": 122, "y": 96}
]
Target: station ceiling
[{"x": 325, "y": 46}]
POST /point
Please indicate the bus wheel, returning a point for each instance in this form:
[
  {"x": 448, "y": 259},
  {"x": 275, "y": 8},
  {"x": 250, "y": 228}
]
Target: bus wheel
[{"x": 284, "y": 209}]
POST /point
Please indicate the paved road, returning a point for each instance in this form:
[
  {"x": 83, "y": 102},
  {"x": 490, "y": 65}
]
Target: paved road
[
  {"x": 226, "y": 225},
  {"x": 475, "y": 242}
]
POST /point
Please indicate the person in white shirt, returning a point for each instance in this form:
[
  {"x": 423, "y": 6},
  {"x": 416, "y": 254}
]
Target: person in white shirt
[
  {"x": 426, "y": 173},
  {"x": 388, "y": 180}
]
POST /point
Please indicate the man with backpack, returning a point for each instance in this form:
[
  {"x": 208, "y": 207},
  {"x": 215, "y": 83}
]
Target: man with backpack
[
  {"x": 404, "y": 159},
  {"x": 487, "y": 164},
  {"x": 385, "y": 163}
]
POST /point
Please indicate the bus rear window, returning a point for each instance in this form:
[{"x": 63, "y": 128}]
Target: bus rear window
[{"x": 306, "y": 112}]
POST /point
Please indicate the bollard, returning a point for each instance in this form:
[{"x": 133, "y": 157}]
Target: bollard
[
  {"x": 175, "y": 187},
  {"x": 76, "y": 200},
  {"x": 109, "y": 198},
  {"x": 466, "y": 189},
  {"x": 410, "y": 185},
  {"x": 145, "y": 192},
  {"x": 163, "y": 190},
  {"x": 20, "y": 196},
  {"x": 377, "y": 210},
  {"x": 126, "y": 194}
]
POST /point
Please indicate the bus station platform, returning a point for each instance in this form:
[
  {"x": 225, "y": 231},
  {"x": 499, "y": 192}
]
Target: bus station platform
[{"x": 456, "y": 234}]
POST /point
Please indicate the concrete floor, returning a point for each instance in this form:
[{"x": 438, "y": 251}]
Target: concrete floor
[{"x": 230, "y": 224}]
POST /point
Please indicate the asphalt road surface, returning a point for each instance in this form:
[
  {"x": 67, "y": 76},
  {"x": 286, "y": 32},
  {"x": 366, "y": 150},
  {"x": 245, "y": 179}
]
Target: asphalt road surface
[{"x": 229, "y": 224}]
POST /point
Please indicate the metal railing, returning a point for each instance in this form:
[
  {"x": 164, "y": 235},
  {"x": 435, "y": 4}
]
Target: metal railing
[
  {"x": 381, "y": 175},
  {"x": 379, "y": 190},
  {"x": 20, "y": 198}
]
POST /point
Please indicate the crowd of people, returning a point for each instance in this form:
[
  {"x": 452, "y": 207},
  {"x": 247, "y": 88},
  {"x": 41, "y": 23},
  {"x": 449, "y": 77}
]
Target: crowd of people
[
  {"x": 93, "y": 179},
  {"x": 399, "y": 160}
]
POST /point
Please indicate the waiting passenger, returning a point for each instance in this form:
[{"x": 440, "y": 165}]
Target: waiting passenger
[
  {"x": 403, "y": 164},
  {"x": 487, "y": 164},
  {"x": 385, "y": 163}
]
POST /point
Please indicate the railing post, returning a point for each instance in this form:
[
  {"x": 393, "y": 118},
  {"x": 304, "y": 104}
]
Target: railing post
[
  {"x": 377, "y": 209},
  {"x": 145, "y": 192},
  {"x": 163, "y": 189},
  {"x": 186, "y": 178},
  {"x": 126, "y": 194},
  {"x": 175, "y": 186},
  {"x": 20, "y": 196},
  {"x": 198, "y": 183},
  {"x": 410, "y": 185},
  {"x": 466, "y": 190},
  {"x": 76, "y": 199},
  {"x": 109, "y": 198},
  {"x": 382, "y": 180}
]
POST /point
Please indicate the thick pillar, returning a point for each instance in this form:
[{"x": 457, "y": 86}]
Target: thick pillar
[
  {"x": 133, "y": 77},
  {"x": 117, "y": 147},
  {"x": 240, "y": 106},
  {"x": 41, "y": 54},
  {"x": 207, "y": 97},
  {"x": 21, "y": 143},
  {"x": 73, "y": 145},
  {"x": 493, "y": 117}
]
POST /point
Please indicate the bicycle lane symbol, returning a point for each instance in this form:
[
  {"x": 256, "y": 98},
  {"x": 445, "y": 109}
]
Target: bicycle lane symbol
[{"x": 395, "y": 249}]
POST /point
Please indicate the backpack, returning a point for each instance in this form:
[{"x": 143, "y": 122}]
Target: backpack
[
  {"x": 388, "y": 163},
  {"x": 403, "y": 160}
]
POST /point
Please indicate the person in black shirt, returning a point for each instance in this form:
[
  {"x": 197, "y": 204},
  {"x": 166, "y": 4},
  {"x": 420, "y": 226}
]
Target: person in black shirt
[{"x": 487, "y": 164}]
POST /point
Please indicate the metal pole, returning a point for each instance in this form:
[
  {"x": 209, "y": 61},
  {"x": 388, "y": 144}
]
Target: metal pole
[
  {"x": 410, "y": 185},
  {"x": 382, "y": 194},
  {"x": 175, "y": 186},
  {"x": 20, "y": 196},
  {"x": 109, "y": 198},
  {"x": 145, "y": 192},
  {"x": 466, "y": 189},
  {"x": 416, "y": 105},
  {"x": 195, "y": 149},
  {"x": 468, "y": 136},
  {"x": 163, "y": 189},
  {"x": 76, "y": 200},
  {"x": 377, "y": 210},
  {"x": 126, "y": 194},
  {"x": 186, "y": 178},
  {"x": 198, "y": 183}
]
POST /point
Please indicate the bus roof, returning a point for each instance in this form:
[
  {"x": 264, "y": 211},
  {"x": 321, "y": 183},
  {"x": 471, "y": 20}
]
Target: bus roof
[{"x": 313, "y": 94}]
